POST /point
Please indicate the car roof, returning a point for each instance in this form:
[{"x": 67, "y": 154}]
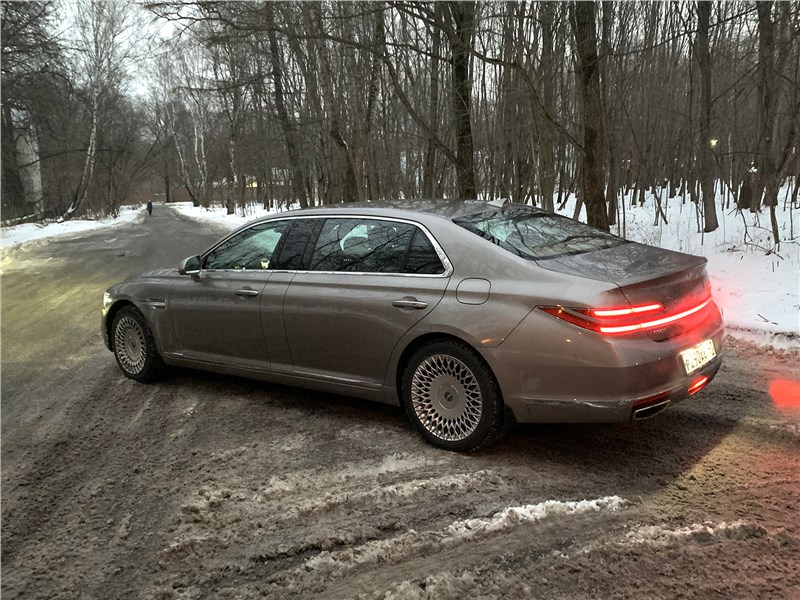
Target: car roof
[{"x": 444, "y": 208}]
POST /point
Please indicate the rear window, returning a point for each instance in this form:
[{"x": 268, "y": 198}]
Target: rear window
[{"x": 535, "y": 234}]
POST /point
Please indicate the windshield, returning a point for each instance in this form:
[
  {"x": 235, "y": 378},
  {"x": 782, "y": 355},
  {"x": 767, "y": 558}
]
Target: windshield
[{"x": 534, "y": 234}]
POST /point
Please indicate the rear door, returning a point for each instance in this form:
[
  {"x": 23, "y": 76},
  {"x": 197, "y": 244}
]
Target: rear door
[{"x": 368, "y": 281}]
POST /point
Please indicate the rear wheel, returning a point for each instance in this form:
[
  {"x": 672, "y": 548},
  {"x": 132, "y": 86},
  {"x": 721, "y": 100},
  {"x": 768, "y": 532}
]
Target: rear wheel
[
  {"x": 452, "y": 397},
  {"x": 134, "y": 345}
]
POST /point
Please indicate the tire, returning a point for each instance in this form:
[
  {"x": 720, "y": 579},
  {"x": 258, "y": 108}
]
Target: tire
[
  {"x": 452, "y": 397},
  {"x": 134, "y": 346}
]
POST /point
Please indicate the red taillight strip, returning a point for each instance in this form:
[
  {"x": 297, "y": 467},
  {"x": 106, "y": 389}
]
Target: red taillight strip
[
  {"x": 657, "y": 322},
  {"x": 621, "y": 312},
  {"x": 591, "y": 318}
]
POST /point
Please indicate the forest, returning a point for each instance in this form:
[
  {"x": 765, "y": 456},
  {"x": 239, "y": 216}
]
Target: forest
[{"x": 308, "y": 103}]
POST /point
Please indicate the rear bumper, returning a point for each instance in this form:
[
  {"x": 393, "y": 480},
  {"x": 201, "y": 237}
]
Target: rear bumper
[
  {"x": 552, "y": 372},
  {"x": 537, "y": 410}
]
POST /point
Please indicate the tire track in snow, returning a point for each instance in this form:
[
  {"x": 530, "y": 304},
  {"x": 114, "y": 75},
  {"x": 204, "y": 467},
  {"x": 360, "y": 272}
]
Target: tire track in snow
[
  {"x": 329, "y": 565},
  {"x": 220, "y": 521}
]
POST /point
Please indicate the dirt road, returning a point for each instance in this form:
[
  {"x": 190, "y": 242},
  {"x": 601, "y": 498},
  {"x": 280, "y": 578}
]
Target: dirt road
[{"x": 203, "y": 486}]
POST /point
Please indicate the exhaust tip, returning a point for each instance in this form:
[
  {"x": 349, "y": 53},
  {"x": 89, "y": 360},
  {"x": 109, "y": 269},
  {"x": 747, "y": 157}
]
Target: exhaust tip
[{"x": 650, "y": 411}]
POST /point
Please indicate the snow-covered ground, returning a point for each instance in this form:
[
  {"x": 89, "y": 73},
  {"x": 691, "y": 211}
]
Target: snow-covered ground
[
  {"x": 20, "y": 234},
  {"x": 757, "y": 289}
]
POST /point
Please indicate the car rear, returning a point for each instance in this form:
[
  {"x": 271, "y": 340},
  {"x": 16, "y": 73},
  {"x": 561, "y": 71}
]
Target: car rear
[{"x": 652, "y": 338}]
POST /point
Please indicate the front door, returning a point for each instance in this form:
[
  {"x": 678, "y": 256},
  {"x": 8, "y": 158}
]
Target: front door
[{"x": 216, "y": 315}]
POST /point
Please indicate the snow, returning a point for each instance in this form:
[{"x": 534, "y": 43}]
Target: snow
[
  {"x": 394, "y": 493},
  {"x": 756, "y": 286},
  {"x": 699, "y": 532},
  {"x": 218, "y": 215},
  {"x": 303, "y": 478},
  {"x": 412, "y": 542},
  {"x": 28, "y": 232}
]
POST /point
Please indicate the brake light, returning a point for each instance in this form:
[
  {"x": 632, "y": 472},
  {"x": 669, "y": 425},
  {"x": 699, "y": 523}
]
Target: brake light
[
  {"x": 622, "y": 320},
  {"x": 622, "y": 312}
]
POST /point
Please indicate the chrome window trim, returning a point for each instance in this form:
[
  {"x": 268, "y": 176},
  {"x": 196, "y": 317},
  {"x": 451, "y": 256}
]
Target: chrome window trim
[{"x": 448, "y": 266}]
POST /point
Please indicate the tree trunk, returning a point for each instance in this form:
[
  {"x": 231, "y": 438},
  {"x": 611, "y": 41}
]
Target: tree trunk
[
  {"x": 429, "y": 169},
  {"x": 463, "y": 16},
  {"x": 167, "y": 187},
  {"x": 287, "y": 124},
  {"x": 230, "y": 198},
  {"x": 200, "y": 157},
  {"x": 547, "y": 162},
  {"x": 705, "y": 152},
  {"x": 611, "y": 187},
  {"x": 373, "y": 189},
  {"x": 350, "y": 192},
  {"x": 583, "y": 23},
  {"x": 767, "y": 171},
  {"x": 82, "y": 188}
]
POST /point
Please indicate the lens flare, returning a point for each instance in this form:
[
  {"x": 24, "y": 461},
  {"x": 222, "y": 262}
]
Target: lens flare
[{"x": 785, "y": 394}]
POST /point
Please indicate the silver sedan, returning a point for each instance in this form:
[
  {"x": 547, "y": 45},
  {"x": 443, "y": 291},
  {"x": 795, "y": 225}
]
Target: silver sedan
[{"x": 467, "y": 314}]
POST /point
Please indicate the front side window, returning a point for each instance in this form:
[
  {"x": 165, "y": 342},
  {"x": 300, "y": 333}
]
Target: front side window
[
  {"x": 251, "y": 249},
  {"x": 536, "y": 234},
  {"x": 373, "y": 246}
]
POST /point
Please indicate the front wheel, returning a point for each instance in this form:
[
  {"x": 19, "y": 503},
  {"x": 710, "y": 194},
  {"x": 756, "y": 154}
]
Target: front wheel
[
  {"x": 452, "y": 397},
  {"x": 134, "y": 345}
]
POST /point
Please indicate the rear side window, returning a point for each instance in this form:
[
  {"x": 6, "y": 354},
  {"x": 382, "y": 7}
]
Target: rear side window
[
  {"x": 422, "y": 257},
  {"x": 535, "y": 234},
  {"x": 252, "y": 249},
  {"x": 373, "y": 246}
]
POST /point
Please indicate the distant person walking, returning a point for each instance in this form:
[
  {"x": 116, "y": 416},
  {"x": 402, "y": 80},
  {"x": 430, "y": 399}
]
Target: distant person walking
[{"x": 150, "y": 207}]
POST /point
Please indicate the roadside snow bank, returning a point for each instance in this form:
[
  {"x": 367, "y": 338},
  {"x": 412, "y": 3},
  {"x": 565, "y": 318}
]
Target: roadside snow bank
[
  {"x": 218, "y": 214},
  {"x": 28, "y": 232}
]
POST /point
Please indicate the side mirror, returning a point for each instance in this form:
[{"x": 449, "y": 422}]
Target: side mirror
[{"x": 190, "y": 266}]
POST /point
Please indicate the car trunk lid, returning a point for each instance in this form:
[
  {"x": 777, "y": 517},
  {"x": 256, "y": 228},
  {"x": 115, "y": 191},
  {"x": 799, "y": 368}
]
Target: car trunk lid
[{"x": 645, "y": 275}]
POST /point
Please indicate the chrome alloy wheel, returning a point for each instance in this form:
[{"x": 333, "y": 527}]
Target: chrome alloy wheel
[
  {"x": 129, "y": 344},
  {"x": 446, "y": 397}
]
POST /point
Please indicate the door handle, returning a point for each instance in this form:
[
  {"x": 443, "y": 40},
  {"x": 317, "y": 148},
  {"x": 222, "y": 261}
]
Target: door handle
[
  {"x": 246, "y": 293},
  {"x": 409, "y": 303}
]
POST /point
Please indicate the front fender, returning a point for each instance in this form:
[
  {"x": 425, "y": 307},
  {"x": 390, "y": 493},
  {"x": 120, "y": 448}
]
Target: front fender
[{"x": 151, "y": 298}]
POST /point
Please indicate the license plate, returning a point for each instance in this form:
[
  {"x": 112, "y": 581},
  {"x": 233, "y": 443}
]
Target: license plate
[{"x": 696, "y": 357}]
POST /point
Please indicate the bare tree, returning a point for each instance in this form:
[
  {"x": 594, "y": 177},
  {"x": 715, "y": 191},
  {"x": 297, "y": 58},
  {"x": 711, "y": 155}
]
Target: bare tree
[
  {"x": 344, "y": 100},
  {"x": 583, "y": 22},
  {"x": 704, "y": 147},
  {"x": 287, "y": 123},
  {"x": 460, "y": 19},
  {"x": 766, "y": 116},
  {"x": 102, "y": 53},
  {"x": 350, "y": 190}
]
